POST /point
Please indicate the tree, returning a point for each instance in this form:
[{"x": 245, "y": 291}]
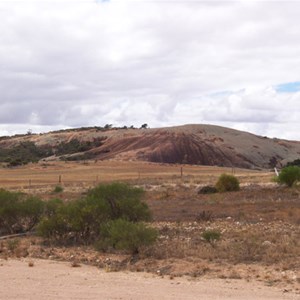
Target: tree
[
  {"x": 144, "y": 126},
  {"x": 108, "y": 126}
]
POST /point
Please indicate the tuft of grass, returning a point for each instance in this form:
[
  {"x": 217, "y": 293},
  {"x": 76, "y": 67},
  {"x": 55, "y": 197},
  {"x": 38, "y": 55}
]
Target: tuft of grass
[
  {"x": 58, "y": 189},
  {"x": 211, "y": 236}
]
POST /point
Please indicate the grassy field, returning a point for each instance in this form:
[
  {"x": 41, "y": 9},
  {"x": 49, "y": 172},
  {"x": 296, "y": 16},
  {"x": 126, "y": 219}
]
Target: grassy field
[{"x": 88, "y": 174}]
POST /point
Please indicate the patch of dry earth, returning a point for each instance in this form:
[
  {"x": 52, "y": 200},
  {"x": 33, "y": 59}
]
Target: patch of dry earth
[{"x": 58, "y": 280}]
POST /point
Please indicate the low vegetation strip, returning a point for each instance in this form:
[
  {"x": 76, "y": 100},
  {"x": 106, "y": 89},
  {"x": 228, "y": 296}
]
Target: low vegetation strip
[{"x": 109, "y": 215}]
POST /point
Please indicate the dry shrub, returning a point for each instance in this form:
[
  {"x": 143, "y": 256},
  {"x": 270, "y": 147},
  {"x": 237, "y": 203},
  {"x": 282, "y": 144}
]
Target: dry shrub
[
  {"x": 227, "y": 183},
  {"x": 204, "y": 216}
]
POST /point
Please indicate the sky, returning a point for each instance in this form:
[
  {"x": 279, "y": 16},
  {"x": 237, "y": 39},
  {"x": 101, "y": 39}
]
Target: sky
[{"x": 79, "y": 63}]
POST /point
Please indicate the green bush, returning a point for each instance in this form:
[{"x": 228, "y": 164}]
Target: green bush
[
  {"x": 80, "y": 221},
  {"x": 52, "y": 206},
  {"x": 31, "y": 212},
  {"x": 71, "y": 222},
  {"x": 18, "y": 212},
  {"x": 123, "y": 201},
  {"x": 289, "y": 175},
  {"x": 211, "y": 236},
  {"x": 58, "y": 189},
  {"x": 54, "y": 228},
  {"x": 227, "y": 183},
  {"x": 124, "y": 235},
  {"x": 9, "y": 211}
]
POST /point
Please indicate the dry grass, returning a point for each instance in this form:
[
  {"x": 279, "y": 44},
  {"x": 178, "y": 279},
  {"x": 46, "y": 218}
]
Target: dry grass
[
  {"x": 268, "y": 244},
  {"x": 84, "y": 175}
]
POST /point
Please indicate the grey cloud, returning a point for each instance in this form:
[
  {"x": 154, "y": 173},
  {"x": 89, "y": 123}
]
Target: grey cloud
[{"x": 130, "y": 63}]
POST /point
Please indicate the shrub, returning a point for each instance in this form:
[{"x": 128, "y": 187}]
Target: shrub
[
  {"x": 123, "y": 201},
  {"x": 80, "y": 221},
  {"x": 227, "y": 183},
  {"x": 71, "y": 222},
  {"x": 52, "y": 206},
  {"x": 204, "y": 216},
  {"x": 58, "y": 189},
  {"x": 9, "y": 211},
  {"x": 124, "y": 235},
  {"x": 207, "y": 190},
  {"x": 53, "y": 228},
  {"x": 19, "y": 213},
  {"x": 289, "y": 175},
  {"x": 31, "y": 211},
  {"x": 211, "y": 236}
]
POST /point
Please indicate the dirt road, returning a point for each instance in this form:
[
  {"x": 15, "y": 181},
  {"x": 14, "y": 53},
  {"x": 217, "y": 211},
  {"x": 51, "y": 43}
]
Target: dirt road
[{"x": 58, "y": 280}]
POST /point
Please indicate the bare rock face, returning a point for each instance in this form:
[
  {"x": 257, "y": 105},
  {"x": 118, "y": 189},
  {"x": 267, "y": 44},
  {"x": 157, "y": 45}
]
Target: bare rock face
[{"x": 188, "y": 144}]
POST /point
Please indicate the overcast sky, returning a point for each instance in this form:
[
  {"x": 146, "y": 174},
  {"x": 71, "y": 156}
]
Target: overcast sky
[{"x": 70, "y": 63}]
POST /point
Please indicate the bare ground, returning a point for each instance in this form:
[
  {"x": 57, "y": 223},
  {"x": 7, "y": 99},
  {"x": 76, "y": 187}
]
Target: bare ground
[{"x": 44, "y": 279}]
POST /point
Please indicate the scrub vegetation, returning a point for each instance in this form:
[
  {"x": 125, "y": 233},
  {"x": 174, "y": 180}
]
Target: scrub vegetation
[{"x": 165, "y": 224}]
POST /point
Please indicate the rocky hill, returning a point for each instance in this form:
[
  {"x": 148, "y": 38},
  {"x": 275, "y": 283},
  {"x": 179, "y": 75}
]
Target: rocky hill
[{"x": 188, "y": 144}]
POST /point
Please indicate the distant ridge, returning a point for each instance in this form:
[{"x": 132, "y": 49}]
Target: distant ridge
[{"x": 188, "y": 144}]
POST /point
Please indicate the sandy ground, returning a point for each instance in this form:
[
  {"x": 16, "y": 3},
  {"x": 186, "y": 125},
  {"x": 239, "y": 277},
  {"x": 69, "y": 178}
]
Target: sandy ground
[{"x": 58, "y": 280}]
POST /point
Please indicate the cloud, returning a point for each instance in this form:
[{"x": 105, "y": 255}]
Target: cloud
[{"x": 86, "y": 63}]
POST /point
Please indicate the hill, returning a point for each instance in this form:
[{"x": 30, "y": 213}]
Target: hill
[{"x": 188, "y": 144}]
